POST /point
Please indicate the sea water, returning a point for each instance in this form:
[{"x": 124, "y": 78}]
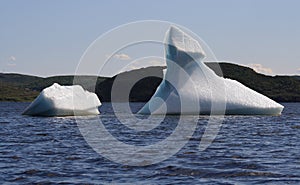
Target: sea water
[{"x": 248, "y": 149}]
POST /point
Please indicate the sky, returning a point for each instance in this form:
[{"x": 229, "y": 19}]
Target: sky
[{"x": 47, "y": 38}]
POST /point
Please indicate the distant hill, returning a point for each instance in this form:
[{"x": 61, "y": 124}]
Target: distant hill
[
  {"x": 278, "y": 88},
  {"x": 297, "y": 77},
  {"x": 17, "y": 87}
]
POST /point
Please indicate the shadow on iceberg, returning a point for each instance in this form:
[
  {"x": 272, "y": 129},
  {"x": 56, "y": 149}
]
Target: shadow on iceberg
[
  {"x": 58, "y": 100},
  {"x": 198, "y": 89}
]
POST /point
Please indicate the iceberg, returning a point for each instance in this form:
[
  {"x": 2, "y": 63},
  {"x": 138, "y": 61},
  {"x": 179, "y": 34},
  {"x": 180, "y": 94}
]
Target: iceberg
[
  {"x": 188, "y": 80},
  {"x": 58, "y": 100}
]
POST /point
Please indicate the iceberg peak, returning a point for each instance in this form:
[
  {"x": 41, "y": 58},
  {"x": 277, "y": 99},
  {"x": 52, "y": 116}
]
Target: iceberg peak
[
  {"x": 188, "y": 80},
  {"x": 183, "y": 42}
]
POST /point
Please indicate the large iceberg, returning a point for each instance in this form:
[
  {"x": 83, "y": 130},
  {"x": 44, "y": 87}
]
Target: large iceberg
[
  {"x": 188, "y": 80},
  {"x": 58, "y": 100}
]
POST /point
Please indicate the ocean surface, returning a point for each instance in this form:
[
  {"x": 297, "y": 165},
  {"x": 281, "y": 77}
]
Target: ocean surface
[{"x": 247, "y": 150}]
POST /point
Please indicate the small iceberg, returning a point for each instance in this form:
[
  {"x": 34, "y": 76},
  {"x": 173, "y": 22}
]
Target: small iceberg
[
  {"x": 58, "y": 100},
  {"x": 188, "y": 80}
]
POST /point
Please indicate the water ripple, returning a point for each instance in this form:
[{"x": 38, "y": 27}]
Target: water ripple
[{"x": 248, "y": 149}]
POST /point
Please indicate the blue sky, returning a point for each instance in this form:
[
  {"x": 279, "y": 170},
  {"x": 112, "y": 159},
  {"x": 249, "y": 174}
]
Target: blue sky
[{"x": 48, "y": 37}]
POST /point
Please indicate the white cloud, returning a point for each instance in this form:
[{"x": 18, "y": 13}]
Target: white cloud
[
  {"x": 11, "y": 61},
  {"x": 261, "y": 69},
  {"x": 144, "y": 62},
  {"x": 12, "y": 58},
  {"x": 298, "y": 70},
  {"x": 122, "y": 56},
  {"x": 11, "y": 64}
]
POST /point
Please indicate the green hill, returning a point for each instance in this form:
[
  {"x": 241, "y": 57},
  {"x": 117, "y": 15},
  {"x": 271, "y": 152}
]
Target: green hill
[
  {"x": 279, "y": 88},
  {"x": 17, "y": 87}
]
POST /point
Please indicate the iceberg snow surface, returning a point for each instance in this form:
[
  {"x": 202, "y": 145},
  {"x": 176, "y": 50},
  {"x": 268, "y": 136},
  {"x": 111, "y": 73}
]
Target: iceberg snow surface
[
  {"x": 188, "y": 80},
  {"x": 58, "y": 100}
]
